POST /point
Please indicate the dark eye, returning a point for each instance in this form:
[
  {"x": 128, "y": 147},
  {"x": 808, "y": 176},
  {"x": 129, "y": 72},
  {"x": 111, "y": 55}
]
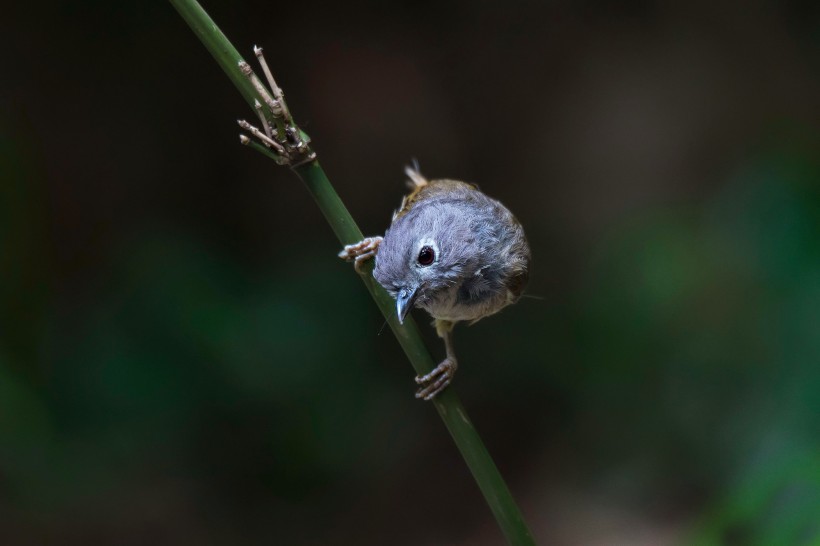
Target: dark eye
[{"x": 426, "y": 256}]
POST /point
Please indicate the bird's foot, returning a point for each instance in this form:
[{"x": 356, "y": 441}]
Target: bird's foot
[
  {"x": 437, "y": 380},
  {"x": 359, "y": 252}
]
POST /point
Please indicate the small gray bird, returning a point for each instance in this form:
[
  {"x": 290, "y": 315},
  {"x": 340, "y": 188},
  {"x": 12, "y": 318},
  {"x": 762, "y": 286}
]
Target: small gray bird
[{"x": 452, "y": 251}]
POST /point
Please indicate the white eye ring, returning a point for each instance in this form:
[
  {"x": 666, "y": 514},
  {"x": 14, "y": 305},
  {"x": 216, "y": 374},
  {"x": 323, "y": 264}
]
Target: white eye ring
[
  {"x": 426, "y": 256},
  {"x": 427, "y": 253}
]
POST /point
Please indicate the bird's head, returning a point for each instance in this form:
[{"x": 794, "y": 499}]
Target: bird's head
[{"x": 425, "y": 254}]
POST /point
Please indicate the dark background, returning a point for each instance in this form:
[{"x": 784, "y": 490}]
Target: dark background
[{"x": 184, "y": 360}]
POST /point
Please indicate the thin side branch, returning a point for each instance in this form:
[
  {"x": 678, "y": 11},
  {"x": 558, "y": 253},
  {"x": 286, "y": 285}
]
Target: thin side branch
[{"x": 287, "y": 141}]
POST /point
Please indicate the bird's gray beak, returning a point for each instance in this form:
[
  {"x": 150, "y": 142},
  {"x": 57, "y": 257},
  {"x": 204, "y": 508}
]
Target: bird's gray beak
[{"x": 405, "y": 300}]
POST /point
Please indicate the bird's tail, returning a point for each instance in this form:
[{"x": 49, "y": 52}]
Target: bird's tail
[{"x": 415, "y": 178}]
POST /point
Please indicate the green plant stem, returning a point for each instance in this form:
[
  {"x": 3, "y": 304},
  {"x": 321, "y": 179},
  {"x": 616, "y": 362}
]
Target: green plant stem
[{"x": 447, "y": 404}]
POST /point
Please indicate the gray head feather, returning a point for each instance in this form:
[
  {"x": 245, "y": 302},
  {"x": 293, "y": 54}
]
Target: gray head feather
[{"x": 448, "y": 230}]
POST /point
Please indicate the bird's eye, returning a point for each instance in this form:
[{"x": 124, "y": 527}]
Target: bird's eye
[{"x": 426, "y": 256}]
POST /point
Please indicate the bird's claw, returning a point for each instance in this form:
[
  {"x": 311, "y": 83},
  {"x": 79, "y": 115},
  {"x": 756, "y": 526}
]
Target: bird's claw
[
  {"x": 437, "y": 380},
  {"x": 359, "y": 252}
]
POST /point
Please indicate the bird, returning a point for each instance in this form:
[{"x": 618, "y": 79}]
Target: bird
[{"x": 452, "y": 251}]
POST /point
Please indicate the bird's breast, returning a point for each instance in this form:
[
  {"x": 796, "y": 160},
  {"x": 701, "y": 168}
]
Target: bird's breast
[{"x": 465, "y": 302}]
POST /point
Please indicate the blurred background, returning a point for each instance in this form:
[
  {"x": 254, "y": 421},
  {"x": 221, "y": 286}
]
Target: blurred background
[{"x": 183, "y": 359}]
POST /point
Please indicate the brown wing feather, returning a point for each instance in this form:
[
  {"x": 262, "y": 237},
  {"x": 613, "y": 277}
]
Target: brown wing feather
[
  {"x": 516, "y": 284},
  {"x": 427, "y": 189}
]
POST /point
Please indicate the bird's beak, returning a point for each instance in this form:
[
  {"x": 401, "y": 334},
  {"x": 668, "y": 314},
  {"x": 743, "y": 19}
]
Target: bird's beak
[{"x": 405, "y": 300}]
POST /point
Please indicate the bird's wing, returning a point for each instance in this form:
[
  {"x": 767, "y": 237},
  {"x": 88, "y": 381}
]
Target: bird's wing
[{"x": 423, "y": 189}]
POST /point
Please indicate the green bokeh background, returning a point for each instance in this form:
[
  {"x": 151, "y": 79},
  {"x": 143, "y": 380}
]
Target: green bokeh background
[{"x": 183, "y": 359}]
